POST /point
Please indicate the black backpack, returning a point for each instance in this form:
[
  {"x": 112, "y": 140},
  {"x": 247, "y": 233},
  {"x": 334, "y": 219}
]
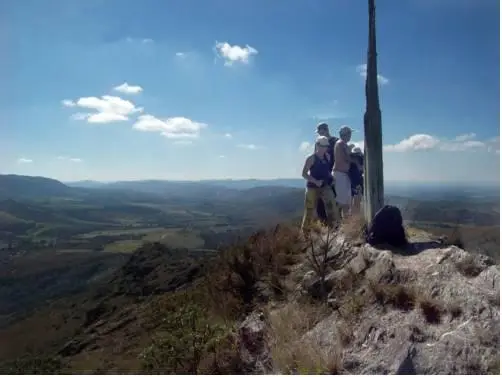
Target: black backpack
[{"x": 387, "y": 228}]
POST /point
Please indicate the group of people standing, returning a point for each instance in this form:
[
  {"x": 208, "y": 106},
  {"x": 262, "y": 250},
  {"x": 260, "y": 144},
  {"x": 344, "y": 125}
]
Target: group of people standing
[{"x": 334, "y": 175}]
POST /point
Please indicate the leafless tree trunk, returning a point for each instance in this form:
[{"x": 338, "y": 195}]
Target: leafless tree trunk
[{"x": 373, "y": 164}]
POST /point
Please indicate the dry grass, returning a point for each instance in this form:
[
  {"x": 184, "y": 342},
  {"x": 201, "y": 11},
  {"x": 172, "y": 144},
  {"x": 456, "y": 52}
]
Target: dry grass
[
  {"x": 494, "y": 365},
  {"x": 254, "y": 269},
  {"x": 468, "y": 267},
  {"x": 408, "y": 297},
  {"x": 352, "y": 305},
  {"x": 398, "y": 296},
  {"x": 291, "y": 353},
  {"x": 413, "y": 232},
  {"x": 431, "y": 310},
  {"x": 354, "y": 229}
]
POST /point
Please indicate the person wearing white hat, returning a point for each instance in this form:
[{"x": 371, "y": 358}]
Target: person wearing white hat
[
  {"x": 341, "y": 170},
  {"x": 317, "y": 173},
  {"x": 322, "y": 129}
]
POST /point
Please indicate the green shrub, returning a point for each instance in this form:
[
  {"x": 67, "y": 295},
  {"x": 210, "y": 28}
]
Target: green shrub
[
  {"x": 32, "y": 365},
  {"x": 183, "y": 338}
]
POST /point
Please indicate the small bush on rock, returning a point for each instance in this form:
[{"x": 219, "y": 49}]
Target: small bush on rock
[{"x": 244, "y": 272}]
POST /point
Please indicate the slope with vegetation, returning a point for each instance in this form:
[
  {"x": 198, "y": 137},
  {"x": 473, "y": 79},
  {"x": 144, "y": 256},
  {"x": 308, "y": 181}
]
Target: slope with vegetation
[
  {"x": 113, "y": 279},
  {"x": 274, "y": 303}
]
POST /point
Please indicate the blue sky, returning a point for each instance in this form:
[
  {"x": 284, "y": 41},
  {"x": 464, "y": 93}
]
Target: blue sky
[{"x": 122, "y": 89}]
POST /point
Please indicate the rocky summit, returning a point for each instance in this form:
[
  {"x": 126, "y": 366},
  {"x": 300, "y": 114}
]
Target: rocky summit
[{"x": 427, "y": 309}]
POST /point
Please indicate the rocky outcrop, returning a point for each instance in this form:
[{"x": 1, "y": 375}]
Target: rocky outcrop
[
  {"x": 254, "y": 351},
  {"x": 425, "y": 310}
]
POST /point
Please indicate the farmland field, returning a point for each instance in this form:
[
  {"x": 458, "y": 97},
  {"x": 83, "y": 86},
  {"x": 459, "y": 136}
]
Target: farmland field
[{"x": 119, "y": 232}]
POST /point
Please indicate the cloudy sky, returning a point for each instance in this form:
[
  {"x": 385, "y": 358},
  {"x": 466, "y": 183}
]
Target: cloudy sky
[{"x": 122, "y": 89}]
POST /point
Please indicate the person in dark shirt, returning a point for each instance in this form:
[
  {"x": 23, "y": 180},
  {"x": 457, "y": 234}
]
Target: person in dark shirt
[
  {"x": 317, "y": 172},
  {"x": 323, "y": 130},
  {"x": 356, "y": 178}
]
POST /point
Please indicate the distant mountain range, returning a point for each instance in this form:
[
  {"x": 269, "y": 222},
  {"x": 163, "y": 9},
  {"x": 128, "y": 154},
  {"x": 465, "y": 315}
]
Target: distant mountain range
[
  {"x": 28, "y": 187},
  {"x": 228, "y": 183},
  {"x": 424, "y": 191},
  {"x": 20, "y": 187}
]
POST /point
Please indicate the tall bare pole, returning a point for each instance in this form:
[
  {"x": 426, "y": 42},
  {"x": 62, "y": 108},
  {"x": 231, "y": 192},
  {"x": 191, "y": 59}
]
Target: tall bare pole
[{"x": 373, "y": 175}]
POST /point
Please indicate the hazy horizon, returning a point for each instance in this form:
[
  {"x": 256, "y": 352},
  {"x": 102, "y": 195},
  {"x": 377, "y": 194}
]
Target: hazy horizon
[
  {"x": 387, "y": 182},
  {"x": 296, "y": 179}
]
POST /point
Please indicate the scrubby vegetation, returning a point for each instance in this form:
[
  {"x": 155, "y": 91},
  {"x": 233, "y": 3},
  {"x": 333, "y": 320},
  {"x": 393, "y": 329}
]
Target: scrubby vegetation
[{"x": 186, "y": 317}]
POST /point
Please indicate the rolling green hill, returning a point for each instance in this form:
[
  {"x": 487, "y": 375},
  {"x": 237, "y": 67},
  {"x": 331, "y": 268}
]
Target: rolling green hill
[{"x": 26, "y": 187}]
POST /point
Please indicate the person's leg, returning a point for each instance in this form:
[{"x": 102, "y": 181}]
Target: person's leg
[
  {"x": 348, "y": 189},
  {"x": 311, "y": 196},
  {"x": 332, "y": 212},
  {"x": 356, "y": 200},
  {"x": 321, "y": 211},
  {"x": 343, "y": 192},
  {"x": 338, "y": 214}
]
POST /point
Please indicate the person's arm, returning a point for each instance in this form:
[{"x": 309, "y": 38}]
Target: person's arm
[
  {"x": 336, "y": 153},
  {"x": 306, "y": 171},
  {"x": 346, "y": 154}
]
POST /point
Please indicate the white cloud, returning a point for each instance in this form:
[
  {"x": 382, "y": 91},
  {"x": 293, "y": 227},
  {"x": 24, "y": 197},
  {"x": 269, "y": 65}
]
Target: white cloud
[
  {"x": 305, "y": 146},
  {"x": 363, "y": 70},
  {"x": 183, "y": 142},
  {"x": 495, "y": 139},
  {"x": 232, "y": 54},
  {"x": 251, "y": 147},
  {"x": 427, "y": 142},
  {"x": 465, "y": 137},
  {"x": 228, "y": 136},
  {"x": 180, "y": 54},
  {"x": 80, "y": 116},
  {"x": 68, "y": 103},
  {"x": 413, "y": 143},
  {"x": 141, "y": 40},
  {"x": 172, "y": 128},
  {"x": 106, "y": 118},
  {"x": 128, "y": 89},
  {"x": 493, "y": 144},
  {"x": 71, "y": 159},
  {"x": 23, "y": 160},
  {"x": 108, "y": 109},
  {"x": 221, "y": 156},
  {"x": 456, "y": 146}
]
